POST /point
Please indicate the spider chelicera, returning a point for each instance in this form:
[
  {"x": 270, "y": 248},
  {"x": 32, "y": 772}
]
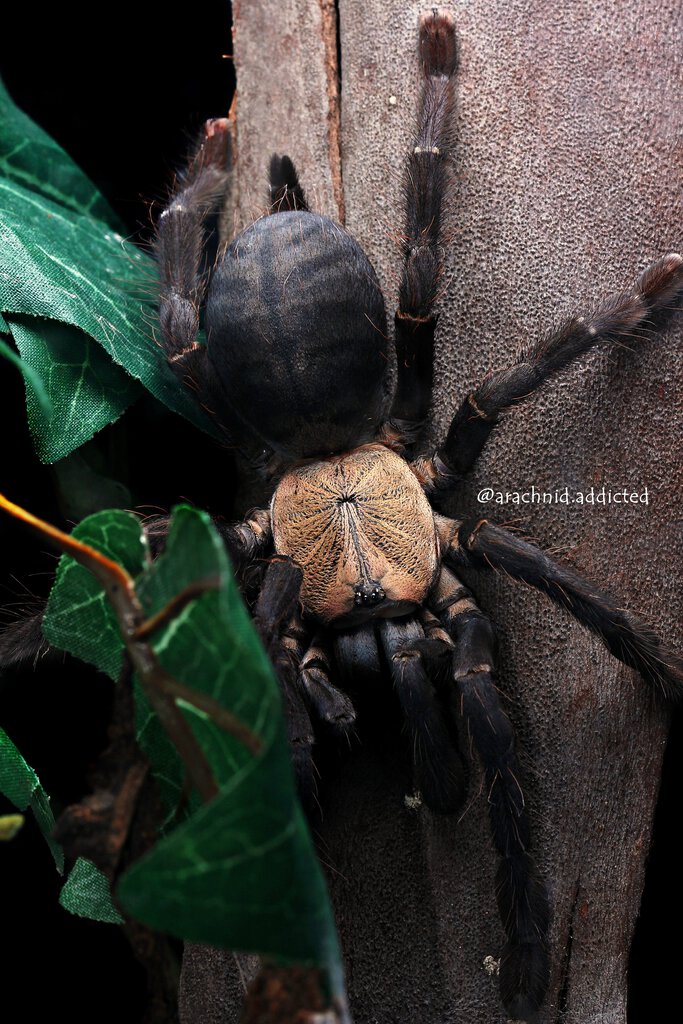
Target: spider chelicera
[{"x": 298, "y": 368}]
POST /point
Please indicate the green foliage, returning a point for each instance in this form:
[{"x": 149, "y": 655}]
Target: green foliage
[
  {"x": 74, "y": 295},
  {"x": 87, "y": 893},
  {"x": 79, "y": 618},
  {"x": 85, "y": 389},
  {"x": 35, "y": 389},
  {"x": 20, "y": 784},
  {"x": 239, "y": 872}
]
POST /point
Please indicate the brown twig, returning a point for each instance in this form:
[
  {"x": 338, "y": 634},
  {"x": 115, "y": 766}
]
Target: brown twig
[
  {"x": 174, "y": 607},
  {"x": 159, "y": 686}
]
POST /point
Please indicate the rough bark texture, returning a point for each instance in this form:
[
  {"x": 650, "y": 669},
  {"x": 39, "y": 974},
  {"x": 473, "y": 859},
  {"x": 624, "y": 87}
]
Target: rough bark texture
[
  {"x": 567, "y": 183},
  {"x": 287, "y": 100}
]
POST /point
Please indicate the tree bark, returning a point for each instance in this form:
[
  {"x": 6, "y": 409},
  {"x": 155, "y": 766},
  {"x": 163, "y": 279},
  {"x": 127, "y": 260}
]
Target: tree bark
[{"x": 567, "y": 175}]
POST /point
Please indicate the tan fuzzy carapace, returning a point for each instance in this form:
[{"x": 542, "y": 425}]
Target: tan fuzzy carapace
[{"x": 355, "y": 520}]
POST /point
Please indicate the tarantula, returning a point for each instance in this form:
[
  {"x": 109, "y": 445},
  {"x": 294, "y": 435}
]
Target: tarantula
[{"x": 297, "y": 366}]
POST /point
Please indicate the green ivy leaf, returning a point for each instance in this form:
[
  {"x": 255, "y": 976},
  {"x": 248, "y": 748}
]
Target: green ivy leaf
[
  {"x": 240, "y": 872},
  {"x": 32, "y": 379},
  {"x": 78, "y": 617},
  {"x": 80, "y": 620},
  {"x": 87, "y": 893},
  {"x": 198, "y": 648},
  {"x": 85, "y": 390},
  {"x": 20, "y": 784},
  {"x": 62, "y": 259}
]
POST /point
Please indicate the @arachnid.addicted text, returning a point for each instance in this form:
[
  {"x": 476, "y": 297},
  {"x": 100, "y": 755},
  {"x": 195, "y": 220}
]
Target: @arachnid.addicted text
[{"x": 565, "y": 496}]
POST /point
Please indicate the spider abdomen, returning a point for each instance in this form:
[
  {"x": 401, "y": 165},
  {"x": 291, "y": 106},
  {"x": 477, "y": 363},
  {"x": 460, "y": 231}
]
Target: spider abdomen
[
  {"x": 362, "y": 530},
  {"x": 297, "y": 339}
]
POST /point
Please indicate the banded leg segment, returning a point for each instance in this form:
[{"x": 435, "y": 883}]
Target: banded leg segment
[
  {"x": 521, "y": 895},
  {"x": 180, "y": 237},
  {"x": 276, "y": 608},
  {"x": 438, "y": 767},
  {"x": 185, "y": 267},
  {"x": 479, "y": 544},
  {"x": 426, "y": 180},
  {"x": 328, "y": 703},
  {"x": 244, "y": 541},
  {"x": 309, "y": 696},
  {"x": 630, "y": 316}
]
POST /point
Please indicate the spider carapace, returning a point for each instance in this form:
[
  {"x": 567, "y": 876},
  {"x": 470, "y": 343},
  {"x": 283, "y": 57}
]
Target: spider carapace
[
  {"x": 362, "y": 530},
  {"x": 298, "y": 370}
]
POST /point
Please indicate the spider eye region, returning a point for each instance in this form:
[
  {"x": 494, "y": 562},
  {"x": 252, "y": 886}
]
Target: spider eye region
[
  {"x": 368, "y": 593},
  {"x": 362, "y": 530}
]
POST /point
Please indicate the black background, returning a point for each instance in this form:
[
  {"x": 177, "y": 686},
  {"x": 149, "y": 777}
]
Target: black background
[{"x": 125, "y": 98}]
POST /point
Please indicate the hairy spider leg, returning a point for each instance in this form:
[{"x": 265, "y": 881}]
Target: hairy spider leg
[
  {"x": 321, "y": 699},
  {"x": 478, "y": 544},
  {"x": 356, "y": 654},
  {"x": 23, "y": 640},
  {"x": 302, "y": 668},
  {"x": 326, "y": 701},
  {"x": 180, "y": 238},
  {"x": 439, "y": 774},
  {"x": 286, "y": 192},
  {"x": 425, "y": 182},
  {"x": 185, "y": 272},
  {"x": 276, "y": 607},
  {"x": 243, "y": 541},
  {"x": 521, "y": 894},
  {"x": 298, "y": 722},
  {"x": 630, "y": 316},
  {"x": 308, "y": 694}
]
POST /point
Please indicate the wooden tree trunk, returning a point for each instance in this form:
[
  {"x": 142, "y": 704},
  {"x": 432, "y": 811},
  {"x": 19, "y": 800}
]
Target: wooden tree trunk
[{"x": 567, "y": 176}]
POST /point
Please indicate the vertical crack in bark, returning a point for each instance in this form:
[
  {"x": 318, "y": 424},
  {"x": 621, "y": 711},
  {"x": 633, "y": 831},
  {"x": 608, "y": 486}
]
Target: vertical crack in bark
[
  {"x": 564, "y": 985},
  {"x": 329, "y": 11},
  {"x": 227, "y": 216}
]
